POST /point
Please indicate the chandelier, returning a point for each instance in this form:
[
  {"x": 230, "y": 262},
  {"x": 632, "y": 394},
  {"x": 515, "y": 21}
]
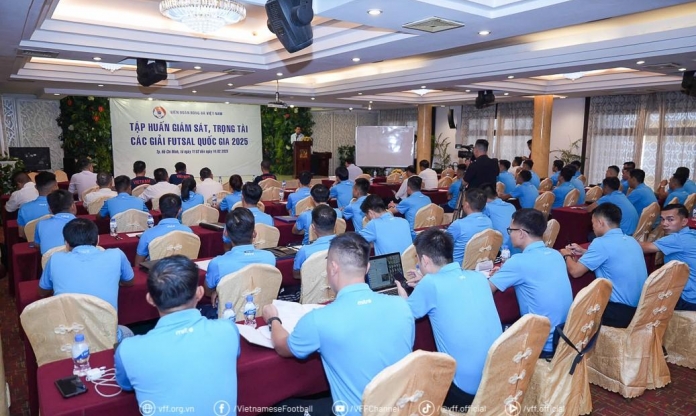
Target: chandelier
[{"x": 203, "y": 16}]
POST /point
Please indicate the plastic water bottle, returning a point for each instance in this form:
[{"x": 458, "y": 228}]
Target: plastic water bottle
[
  {"x": 113, "y": 227},
  {"x": 150, "y": 221},
  {"x": 504, "y": 254},
  {"x": 228, "y": 313},
  {"x": 281, "y": 194},
  {"x": 80, "y": 356},
  {"x": 374, "y": 173},
  {"x": 693, "y": 213},
  {"x": 250, "y": 311},
  {"x": 220, "y": 179},
  {"x": 213, "y": 200}
]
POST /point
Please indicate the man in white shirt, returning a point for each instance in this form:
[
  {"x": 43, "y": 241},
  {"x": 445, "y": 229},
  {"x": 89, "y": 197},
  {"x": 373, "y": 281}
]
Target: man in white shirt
[
  {"x": 353, "y": 171},
  {"x": 408, "y": 172},
  {"x": 84, "y": 180},
  {"x": 26, "y": 191},
  {"x": 161, "y": 187},
  {"x": 104, "y": 183},
  {"x": 428, "y": 175},
  {"x": 297, "y": 135},
  {"x": 208, "y": 187}
]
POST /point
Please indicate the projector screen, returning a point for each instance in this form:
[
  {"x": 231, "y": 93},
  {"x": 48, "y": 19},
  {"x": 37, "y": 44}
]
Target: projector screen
[{"x": 384, "y": 146}]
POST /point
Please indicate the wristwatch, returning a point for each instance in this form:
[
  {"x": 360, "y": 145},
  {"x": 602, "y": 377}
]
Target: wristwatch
[
  {"x": 566, "y": 256},
  {"x": 270, "y": 322}
]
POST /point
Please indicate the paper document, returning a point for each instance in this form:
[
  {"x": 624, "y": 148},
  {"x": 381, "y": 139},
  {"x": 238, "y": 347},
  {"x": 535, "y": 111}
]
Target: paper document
[
  {"x": 288, "y": 312},
  {"x": 259, "y": 336},
  {"x": 202, "y": 264},
  {"x": 131, "y": 235}
]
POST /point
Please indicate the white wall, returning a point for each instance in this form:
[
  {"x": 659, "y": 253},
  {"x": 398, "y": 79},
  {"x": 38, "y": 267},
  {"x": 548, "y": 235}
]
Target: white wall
[
  {"x": 442, "y": 127},
  {"x": 567, "y": 121}
]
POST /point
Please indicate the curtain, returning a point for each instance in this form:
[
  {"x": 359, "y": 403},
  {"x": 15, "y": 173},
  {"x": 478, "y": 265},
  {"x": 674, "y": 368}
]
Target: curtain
[
  {"x": 400, "y": 117},
  {"x": 515, "y": 121},
  {"x": 476, "y": 124}
]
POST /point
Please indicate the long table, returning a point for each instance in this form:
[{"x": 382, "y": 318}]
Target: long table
[{"x": 576, "y": 225}]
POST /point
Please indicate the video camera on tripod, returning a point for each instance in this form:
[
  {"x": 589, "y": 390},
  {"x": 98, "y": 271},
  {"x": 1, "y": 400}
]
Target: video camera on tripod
[{"x": 465, "y": 151}]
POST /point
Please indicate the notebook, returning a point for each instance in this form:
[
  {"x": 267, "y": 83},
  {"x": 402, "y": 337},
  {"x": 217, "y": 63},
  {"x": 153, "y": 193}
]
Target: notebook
[
  {"x": 283, "y": 252},
  {"x": 215, "y": 226},
  {"x": 382, "y": 271},
  {"x": 286, "y": 218}
]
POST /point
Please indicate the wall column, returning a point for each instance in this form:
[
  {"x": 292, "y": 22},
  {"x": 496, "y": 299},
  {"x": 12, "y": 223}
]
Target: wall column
[
  {"x": 541, "y": 134},
  {"x": 424, "y": 133}
]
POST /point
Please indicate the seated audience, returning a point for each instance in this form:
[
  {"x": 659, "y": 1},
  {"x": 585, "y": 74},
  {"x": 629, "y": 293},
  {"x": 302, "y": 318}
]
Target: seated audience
[
  {"x": 578, "y": 168},
  {"x": 161, "y": 187},
  {"x": 139, "y": 169},
  {"x": 235, "y": 194},
  {"x": 577, "y": 183},
  {"x": 320, "y": 196},
  {"x": 612, "y": 172},
  {"x": 265, "y": 172},
  {"x": 104, "y": 180},
  {"x": 29, "y": 211},
  {"x": 454, "y": 298},
  {"x": 123, "y": 201},
  {"x": 641, "y": 195},
  {"x": 179, "y": 174},
  {"x": 251, "y": 195},
  {"x": 324, "y": 224},
  {"x": 537, "y": 274},
  {"x": 409, "y": 207},
  {"x": 353, "y": 170},
  {"x": 26, "y": 192},
  {"x": 527, "y": 165},
  {"x": 507, "y": 178},
  {"x": 676, "y": 189},
  {"x": 189, "y": 194},
  {"x": 689, "y": 185},
  {"x": 352, "y": 211},
  {"x": 678, "y": 244},
  {"x": 454, "y": 190},
  {"x": 49, "y": 232},
  {"x": 428, "y": 175},
  {"x": 614, "y": 256},
  {"x": 556, "y": 169},
  {"x": 475, "y": 221},
  {"x": 408, "y": 172},
  {"x": 516, "y": 165},
  {"x": 84, "y": 180},
  {"x": 300, "y": 193},
  {"x": 170, "y": 206},
  {"x": 629, "y": 215},
  {"x": 500, "y": 213},
  {"x": 208, "y": 186},
  {"x": 342, "y": 190},
  {"x": 625, "y": 176},
  {"x": 525, "y": 192},
  {"x": 151, "y": 364},
  {"x": 378, "y": 333},
  {"x": 388, "y": 233},
  {"x": 564, "y": 187}
]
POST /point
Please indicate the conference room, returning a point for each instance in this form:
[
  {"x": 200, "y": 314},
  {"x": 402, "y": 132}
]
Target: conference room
[{"x": 468, "y": 117}]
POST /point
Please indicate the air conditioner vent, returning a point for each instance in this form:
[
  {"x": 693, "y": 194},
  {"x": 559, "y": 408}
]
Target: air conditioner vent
[{"x": 433, "y": 25}]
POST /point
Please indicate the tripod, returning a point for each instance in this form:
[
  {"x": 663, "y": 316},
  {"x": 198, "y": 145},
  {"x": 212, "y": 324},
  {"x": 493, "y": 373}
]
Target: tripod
[{"x": 459, "y": 211}]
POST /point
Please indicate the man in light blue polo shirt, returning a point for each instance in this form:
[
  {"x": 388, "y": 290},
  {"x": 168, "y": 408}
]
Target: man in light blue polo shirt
[
  {"x": 454, "y": 190},
  {"x": 556, "y": 169},
  {"x": 410, "y": 205},
  {"x": 641, "y": 196},
  {"x": 500, "y": 213},
  {"x": 525, "y": 192},
  {"x": 614, "y": 256},
  {"x": 389, "y": 234},
  {"x": 300, "y": 193},
  {"x": 505, "y": 177},
  {"x": 537, "y": 274},
  {"x": 678, "y": 244},
  {"x": 29, "y": 211},
  {"x": 324, "y": 223},
  {"x": 461, "y": 309},
  {"x": 357, "y": 335},
  {"x": 475, "y": 221},
  {"x": 123, "y": 201},
  {"x": 49, "y": 232},
  {"x": 170, "y": 207},
  {"x": 577, "y": 164},
  {"x": 343, "y": 188},
  {"x": 154, "y": 365},
  {"x": 239, "y": 228},
  {"x": 251, "y": 195},
  {"x": 564, "y": 187},
  {"x": 625, "y": 176},
  {"x": 577, "y": 183},
  {"x": 352, "y": 211},
  {"x": 527, "y": 165},
  {"x": 320, "y": 196},
  {"x": 689, "y": 185},
  {"x": 676, "y": 189},
  {"x": 235, "y": 196},
  {"x": 629, "y": 215},
  {"x": 612, "y": 172}
]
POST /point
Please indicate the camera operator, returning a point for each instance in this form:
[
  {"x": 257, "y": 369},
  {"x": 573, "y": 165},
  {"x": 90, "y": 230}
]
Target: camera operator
[{"x": 483, "y": 169}]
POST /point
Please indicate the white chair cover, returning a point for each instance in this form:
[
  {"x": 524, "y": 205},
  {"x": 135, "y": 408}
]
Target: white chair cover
[
  {"x": 571, "y": 198},
  {"x": 132, "y": 220},
  {"x": 552, "y": 229},
  {"x": 30, "y": 227},
  {"x": 500, "y": 188},
  {"x": 593, "y": 194},
  {"x": 261, "y": 280},
  {"x": 430, "y": 215},
  {"x": 270, "y": 193},
  {"x": 444, "y": 182},
  {"x": 268, "y": 183},
  {"x": 315, "y": 285},
  {"x": 61, "y": 176},
  {"x": 198, "y": 214},
  {"x": 139, "y": 189},
  {"x": 481, "y": 247},
  {"x": 220, "y": 196},
  {"x": 97, "y": 205},
  {"x": 680, "y": 339},
  {"x": 545, "y": 185},
  {"x": 88, "y": 191},
  {"x": 409, "y": 259},
  {"x": 646, "y": 221},
  {"x": 689, "y": 202},
  {"x": 544, "y": 202},
  {"x": 303, "y": 205},
  {"x": 173, "y": 243},
  {"x": 266, "y": 236}
]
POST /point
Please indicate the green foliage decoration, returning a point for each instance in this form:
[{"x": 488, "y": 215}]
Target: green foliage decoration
[
  {"x": 7, "y": 170},
  {"x": 277, "y": 125},
  {"x": 85, "y": 123}
]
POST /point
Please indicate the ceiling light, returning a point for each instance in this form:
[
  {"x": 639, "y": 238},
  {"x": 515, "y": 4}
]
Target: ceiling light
[
  {"x": 467, "y": 90},
  {"x": 280, "y": 74},
  {"x": 194, "y": 91},
  {"x": 56, "y": 94},
  {"x": 640, "y": 62},
  {"x": 370, "y": 102},
  {"x": 203, "y": 16},
  {"x": 421, "y": 91},
  {"x": 682, "y": 69},
  {"x": 100, "y": 85},
  {"x": 422, "y": 86},
  {"x": 485, "y": 32},
  {"x": 511, "y": 76},
  {"x": 292, "y": 106},
  {"x": 111, "y": 67},
  {"x": 149, "y": 98},
  {"x": 312, "y": 98},
  {"x": 442, "y": 106},
  {"x": 350, "y": 108},
  {"x": 96, "y": 58},
  {"x": 359, "y": 93},
  {"x": 227, "y": 102},
  {"x": 574, "y": 75},
  {"x": 374, "y": 12},
  {"x": 230, "y": 84},
  {"x": 507, "y": 93},
  {"x": 356, "y": 59},
  {"x": 197, "y": 67}
]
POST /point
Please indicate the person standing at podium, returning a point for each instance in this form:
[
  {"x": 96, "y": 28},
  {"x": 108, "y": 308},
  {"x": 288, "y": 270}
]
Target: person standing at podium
[{"x": 297, "y": 135}]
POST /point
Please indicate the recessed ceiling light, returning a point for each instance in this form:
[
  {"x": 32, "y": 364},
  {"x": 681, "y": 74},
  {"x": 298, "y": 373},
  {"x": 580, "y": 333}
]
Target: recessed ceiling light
[
  {"x": 96, "y": 58},
  {"x": 280, "y": 74},
  {"x": 149, "y": 98},
  {"x": 374, "y": 12},
  {"x": 100, "y": 85},
  {"x": 682, "y": 69},
  {"x": 312, "y": 98},
  {"x": 292, "y": 106},
  {"x": 511, "y": 76},
  {"x": 370, "y": 102},
  {"x": 467, "y": 90},
  {"x": 230, "y": 84},
  {"x": 422, "y": 86},
  {"x": 442, "y": 106},
  {"x": 197, "y": 67},
  {"x": 55, "y": 94},
  {"x": 227, "y": 102},
  {"x": 350, "y": 108},
  {"x": 507, "y": 93},
  {"x": 194, "y": 91},
  {"x": 359, "y": 93},
  {"x": 485, "y": 32},
  {"x": 356, "y": 59},
  {"x": 640, "y": 62}
]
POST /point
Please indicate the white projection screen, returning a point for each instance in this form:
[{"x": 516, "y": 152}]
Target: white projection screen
[{"x": 384, "y": 146}]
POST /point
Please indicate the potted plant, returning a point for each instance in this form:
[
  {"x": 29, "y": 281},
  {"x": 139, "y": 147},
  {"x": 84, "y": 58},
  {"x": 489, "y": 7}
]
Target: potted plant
[{"x": 440, "y": 149}]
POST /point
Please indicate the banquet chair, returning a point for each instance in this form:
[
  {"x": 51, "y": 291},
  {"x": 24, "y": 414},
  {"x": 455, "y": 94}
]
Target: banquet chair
[
  {"x": 269, "y": 182},
  {"x": 546, "y": 185},
  {"x": 430, "y": 215},
  {"x": 88, "y": 191},
  {"x": 444, "y": 182},
  {"x": 132, "y": 220},
  {"x": 304, "y": 204},
  {"x": 481, "y": 247},
  {"x": 680, "y": 339},
  {"x": 364, "y": 176},
  {"x": 292, "y": 184},
  {"x": 139, "y": 189},
  {"x": 689, "y": 202},
  {"x": 405, "y": 385},
  {"x": 448, "y": 172},
  {"x": 630, "y": 360},
  {"x": 394, "y": 178},
  {"x": 583, "y": 179},
  {"x": 551, "y": 233},
  {"x": 155, "y": 203},
  {"x": 409, "y": 259},
  {"x": 593, "y": 194},
  {"x": 220, "y": 196},
  {"x": 315, "y": 181},
  {"x": 32, "y": 176},
  {"x": 226, "y": 187},
  {"x": 315, "y": 285},
  {"x": 571, "y": 198},
  {"x": 270, "y": 193},
  {"x": 561, "y": 383},
  {"x": 175, "y": 243},
  {"x": 646, "y": 221},
  {"x": 266, "y": 236},
  {"x": 61, "y": 176},
  {"x": 510, "y": 364},
  {"x": 499, "y": 188},
  {"x": 97, "y": 204},
  {"x": 674, "y": 200},
  {"x": 339, "y": 229},
  {"x": 198, "y": 214},
  {"x": 50, "y": 324},
  {"x": 259, "y": 205},
  {"x": 30, "y": 228},
  {"x": 261, "y": 280},
  {"x": 544, "y": 202}
]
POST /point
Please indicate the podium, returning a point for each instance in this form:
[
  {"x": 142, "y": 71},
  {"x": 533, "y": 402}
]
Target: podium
[
  {"x": 302, "y": 152},
  {"x": 320, "y": 163}
]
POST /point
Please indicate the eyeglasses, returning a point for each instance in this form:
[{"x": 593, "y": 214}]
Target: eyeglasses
[{"x": 510, "y": 230}]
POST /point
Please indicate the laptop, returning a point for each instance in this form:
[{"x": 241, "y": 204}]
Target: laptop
[
  {"x": 283, "y": 252},
  {"x": 383, "y": 269}
]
